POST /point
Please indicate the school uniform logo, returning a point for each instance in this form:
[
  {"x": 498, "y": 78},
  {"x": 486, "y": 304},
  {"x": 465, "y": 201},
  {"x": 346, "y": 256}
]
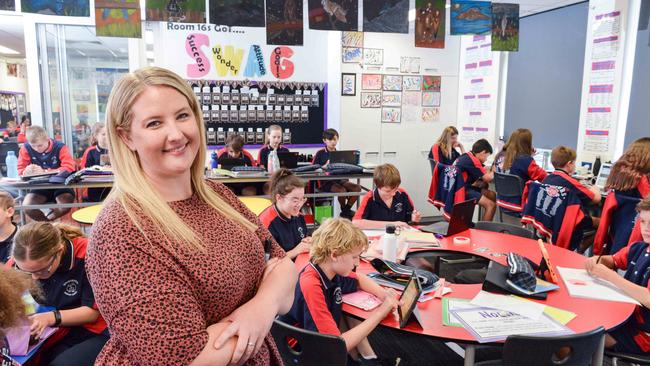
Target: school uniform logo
[
  {"x": 551, "y": 199},
  {"x": 71, "y": 287},
  {"x": 338, "y": 297},
  {"x": 301, "y": 232},
  {"x": 398, "y": 207}
]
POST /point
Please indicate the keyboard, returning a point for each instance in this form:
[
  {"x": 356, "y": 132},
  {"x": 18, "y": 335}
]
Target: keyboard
[
  {"x": 337, "y": 166},
  {"x": 306, "y": 168},
  {"x": 243, "y": 168}
]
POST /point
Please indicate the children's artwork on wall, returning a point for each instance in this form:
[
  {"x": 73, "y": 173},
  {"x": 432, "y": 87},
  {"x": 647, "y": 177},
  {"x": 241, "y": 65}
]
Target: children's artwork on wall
[
  {"x": 373, "y": 56},
  {"x": 284, "y": 22},
  {"x": 12, "y": 70},
  {"x": 411, "y": 106},
  {"x": 340, "y": 15},
  {"x": 411, "y": 98},
  {"x": 430, "y": 114},
  {"x": 409, "y": 65},
  {"x": 118, "y": 18},
  {"x": 430, "y": 23},
  {"x": 431, "y": 83},
  {"x": 370, "y": 81},
  {"x": 391, "y": 115},
  {"x": 370, "y": 99},
  {"x": 352, "y": 55},
  {"x": 348, "y": 84},
  {"x": 471, "y": 17},
  {"x": 412, "y": 83},
  {"x": 8, "y": 5},
  {"x": 242, "y": 13},
  {"x": 386, "y": 16},
  {"x": 392, "y": 82},
  {"x": 352, "y": 39},
  {"x": 70, "y": 8},
  {"x": 430, "y": 99},
  {"x": 183, "y": 11},
  {"x": 505, "y": 27},
  {"x": 391, "y": 99}
]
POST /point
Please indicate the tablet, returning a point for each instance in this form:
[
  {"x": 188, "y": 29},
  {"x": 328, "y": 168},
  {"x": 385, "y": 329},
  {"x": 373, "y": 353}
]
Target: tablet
[
  {"x": 409, "y": 300},
  {"x": 39, "y": 175}
]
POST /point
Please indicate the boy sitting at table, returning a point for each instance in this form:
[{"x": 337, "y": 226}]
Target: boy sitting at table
[
  {"x": 317, "y": 306},
  {"x": 42, "y": 154},
  {"x": 633, "y": 336},
  {"x": 388, "y": 204},
  {"x": 7, "y": 227}
]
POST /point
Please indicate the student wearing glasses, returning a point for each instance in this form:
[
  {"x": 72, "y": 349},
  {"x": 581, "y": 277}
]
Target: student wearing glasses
[
  {"x": 283, "y": 218},
  {"x": 54, "y": 255}
]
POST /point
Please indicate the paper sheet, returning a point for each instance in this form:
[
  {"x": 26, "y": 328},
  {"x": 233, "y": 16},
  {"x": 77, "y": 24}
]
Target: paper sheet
[
  {"x": 581, "y": 284},
  {"x": 530, "y": 309}
]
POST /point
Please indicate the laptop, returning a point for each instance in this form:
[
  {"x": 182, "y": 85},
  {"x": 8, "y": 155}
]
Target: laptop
[
  {"x": 543, "y": 159},
  {"x": 345, "y": 156},
  {"x": 461, "y": 220},
  {"x": 228, "y": 163},
  {"x": 603, "y": 174},
  {"x": 288, "y": 159}
]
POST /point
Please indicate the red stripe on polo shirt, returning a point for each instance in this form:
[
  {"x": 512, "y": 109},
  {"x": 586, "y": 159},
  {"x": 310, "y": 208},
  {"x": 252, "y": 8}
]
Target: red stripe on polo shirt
[
  {"x": 312, "y": 291},
  {"x": 477, "y": 163},
  {"x": 364, "y": 204},
  {"x": 268, "y": 215},
  {"x": 576, "y": 184}
]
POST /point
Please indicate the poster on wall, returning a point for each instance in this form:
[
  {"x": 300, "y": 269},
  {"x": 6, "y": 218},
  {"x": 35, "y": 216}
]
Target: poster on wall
[
  {"x": 370, "y": 99},
  {"x": 352, "y": 39},
  {"x": 386, "y": 16},
  {"x": 370, "y": 81},
  {"x": 430, "y": 23},
  {"x": 240, "y": 13},
  {"x": 430, "y": 114},
  {"x": 8, "y": 5},
  {"x": 392, "y": 83},
  {"x": 342, "y": 15},
  {"x": 431, "y": 83},
  {"x": 470, "y": 17},
  {"x": 352, "y": 55},
  {"x": 348, "y": 84},
  {"x": 373, "y": 56},
  {"x": 284, "y": 22},
  {"x": 12, "y": 70},
  {"x": 409, "y": 65},
  {"x": 411, "y": 106},
  {"x": 118, "y": 18},
  {"x": 391, "y": 115},
  {"x": 179, "y": 11},
  {"x": 411, "y": 83},
  {"x": 75, "y": 8},
  {"x": 505, "y": 27}
]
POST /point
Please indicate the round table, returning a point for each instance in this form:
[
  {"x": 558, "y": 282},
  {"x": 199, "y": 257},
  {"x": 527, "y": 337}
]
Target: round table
[
  {"x": 87, "y": 215},
  {"x": 256, "y": 204},
  {"x": 590, "y": 313}
]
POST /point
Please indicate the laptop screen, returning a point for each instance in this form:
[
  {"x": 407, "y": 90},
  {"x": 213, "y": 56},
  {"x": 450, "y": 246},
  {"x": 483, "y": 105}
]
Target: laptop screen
[
  {"x": 603, "y": 174},
  {"x": 543, "y": 159}
]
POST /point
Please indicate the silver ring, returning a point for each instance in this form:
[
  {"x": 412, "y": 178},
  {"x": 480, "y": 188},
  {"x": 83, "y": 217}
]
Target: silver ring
[{"x": 251, "y": 344}]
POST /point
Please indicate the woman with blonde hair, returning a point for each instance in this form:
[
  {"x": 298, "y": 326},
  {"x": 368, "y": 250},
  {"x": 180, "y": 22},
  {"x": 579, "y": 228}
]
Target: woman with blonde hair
[
  {"x": 630, "y": 173},
  {"x": 445, "y": 151},
  {"x": 178, "y": 263}
]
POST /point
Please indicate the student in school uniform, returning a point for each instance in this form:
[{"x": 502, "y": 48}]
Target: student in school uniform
[
  {"x": 25, "y": 123},
  {"x": 7, "y": 227},
  {"x": 564, "y": 161},
  {"x": 93, "y": 156},
  {"x": 54, "y": 255},
  {"x": 477, "y": 177},
  {"x": 336, "y": 248},
  {"x": 445, "y": 150},
  {"x": 633, "y": 336},
  {"x": 273, "y": 141},
  {"x": 283, "y": 218},
  {"x": 11, "y": 130},
  {"x": 388, "y": 204},
  {"x": 631, "y": 172},
  {"x": 322, "y": 157},
  {"x": 42, "y": 154},
  {"x": 13, "y": 285},
  {"x": 235, "y": 149}
]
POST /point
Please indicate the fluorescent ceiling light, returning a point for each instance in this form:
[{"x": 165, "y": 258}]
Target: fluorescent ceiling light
[{"x": 8, "y": 51}]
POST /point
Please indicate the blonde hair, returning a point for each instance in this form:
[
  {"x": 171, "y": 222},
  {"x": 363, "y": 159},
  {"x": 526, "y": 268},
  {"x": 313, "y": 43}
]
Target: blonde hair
[
  {"x": 97, "y": 127},
  {"x": 6, "y": 201},
  {"x": 132, "y": 189},
  {"x": 267, "y": 135},
  {"x": 336, "y": 236},
  {"x": 386, "y": 175},
  {"x": 35, "y": 133},
  {"x": 13, "y": 284},
  {"x": 443, "y": 141}
]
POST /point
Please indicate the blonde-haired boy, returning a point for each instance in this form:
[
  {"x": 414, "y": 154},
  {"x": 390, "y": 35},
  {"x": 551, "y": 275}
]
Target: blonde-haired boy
[
  {"x": 334, "y": 255},
  {"x": 7, "y": 227}
]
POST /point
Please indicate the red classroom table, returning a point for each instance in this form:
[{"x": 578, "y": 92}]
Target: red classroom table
[{"x": 590, "y": 313}]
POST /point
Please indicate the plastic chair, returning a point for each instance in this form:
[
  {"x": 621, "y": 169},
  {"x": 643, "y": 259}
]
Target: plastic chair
[
  {"x": 616, "y": 223},
  {"x": 509, "y": 187},
  {"x": 303, "y": 347},
  {"x": 500, "y": 227},
  {"x": 584, "y": 349},
  {"x": 432, "y": 163},
  {"x": 628, "y": 358}
]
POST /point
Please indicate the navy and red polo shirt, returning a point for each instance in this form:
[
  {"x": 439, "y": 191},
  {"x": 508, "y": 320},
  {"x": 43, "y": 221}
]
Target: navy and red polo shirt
[
  {"x": 634, "y": 335},
  {"x": 318, "y": 302},
  {"x": 56, "y": 156},
  {"x": 245, "y": 155},
  {"x": 472, "y": 170},
  {"x": 438, "y": 155},
  {"x": 68, "y": 287},
  {"x": 5, "y": 247},
  {"x": 372, "y": 207},
  {"x": 560, "y": 178},
  {"x": 263, "y": 155},
  {"x": 321, "y": 157},
  {"x": 287, "y": 231}
]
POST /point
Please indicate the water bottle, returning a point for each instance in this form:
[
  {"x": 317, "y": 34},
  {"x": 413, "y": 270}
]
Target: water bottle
[
  {"x": 596, "y": 169},
  {"x": 389, "y": 244},
  {"x": 214, "y": 162},
  {"x": 273, "y": 163},
  {"x": 12, "y": 164}
]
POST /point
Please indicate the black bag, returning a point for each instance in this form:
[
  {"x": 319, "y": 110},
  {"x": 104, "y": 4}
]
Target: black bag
[
  {"x": 495, "y": 281},
  {"x": 400, "y": 274}
]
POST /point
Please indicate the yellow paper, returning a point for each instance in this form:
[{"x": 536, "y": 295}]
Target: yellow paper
[
  {"x": 419, "y": 237},
  {"x": 560, "y": 315}
]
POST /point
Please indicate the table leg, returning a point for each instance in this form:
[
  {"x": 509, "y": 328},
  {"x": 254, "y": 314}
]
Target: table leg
[
  {"x": 21, "y": 194},
  {"x": 469, "y": 355},
  {"x": 598, "y": 357}
]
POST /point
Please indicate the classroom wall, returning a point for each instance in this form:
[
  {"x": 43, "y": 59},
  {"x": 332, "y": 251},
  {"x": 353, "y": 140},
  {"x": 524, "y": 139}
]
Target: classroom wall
[
  {"x": 10, "y": 83},
  {"x": 638, "y": 120},
  {"x": 545, "y": 76}
]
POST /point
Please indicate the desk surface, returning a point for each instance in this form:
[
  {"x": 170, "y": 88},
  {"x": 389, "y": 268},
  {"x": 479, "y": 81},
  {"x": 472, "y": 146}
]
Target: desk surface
[{"x": 590, "y": 313}]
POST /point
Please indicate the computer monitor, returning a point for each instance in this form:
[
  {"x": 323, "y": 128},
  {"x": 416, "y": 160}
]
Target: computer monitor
[
  {"x": 226, "y": 162},
  {"x": 543, "y": 159},
  {"x": 603, "y": 174},
  {"x": 288, "y": 159},
  {"x": 345, "y": 156}
]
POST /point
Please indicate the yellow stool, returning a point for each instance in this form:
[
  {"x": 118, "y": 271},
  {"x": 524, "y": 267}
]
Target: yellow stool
[
  {"x": 87, "y": 215},
  {"x": 256, "y": 204}
]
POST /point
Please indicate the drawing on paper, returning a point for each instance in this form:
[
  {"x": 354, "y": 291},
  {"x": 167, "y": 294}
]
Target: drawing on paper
[
  {"x": 431, "y": 83},
  {"x": 373, "y": 56},
  {"x": 386, "y": 16},
  {"x": 505, "y": 27},
  {"x": 470, "y": 17},
  {"x": 430, "y": 114},
  {"x": 339, "y": 15},
  {"x": 352, "y": 39},
  {"x": 430, "y": 99},
  {"x": 430, "y": 23},
  {"x": 391, "y": 99},
  {"x": 352, "y": 55},
  {"x": 392, "y": 83},
  {"x": 412, "y": 83},
  {"x": 391, "y": 115},
  {"x": 370, "y": 99},
  {"x": 409, "y": 65},
  {"x": 371, "y": 81},
  {"x": 348, "y": 84}
]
